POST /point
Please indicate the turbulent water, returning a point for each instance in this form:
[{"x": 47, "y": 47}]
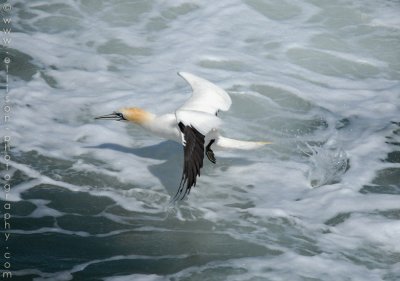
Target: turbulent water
[{"x": 90, "y": 199}]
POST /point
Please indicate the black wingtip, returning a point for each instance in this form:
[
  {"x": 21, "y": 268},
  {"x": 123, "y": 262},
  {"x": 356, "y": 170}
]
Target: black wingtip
[
  {"x": 184, "y": 189},
  {"x": 193, "y": 160}
]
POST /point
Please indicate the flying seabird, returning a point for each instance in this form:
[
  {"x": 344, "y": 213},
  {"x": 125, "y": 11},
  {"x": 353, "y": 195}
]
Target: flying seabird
[{"x": 195, "y": 125}]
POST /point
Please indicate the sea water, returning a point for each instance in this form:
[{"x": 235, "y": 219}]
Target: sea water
[{"x": 90, "y": 199}]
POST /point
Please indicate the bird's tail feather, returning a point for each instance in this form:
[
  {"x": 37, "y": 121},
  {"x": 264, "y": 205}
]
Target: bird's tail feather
[{"x": 227, "y": 143}]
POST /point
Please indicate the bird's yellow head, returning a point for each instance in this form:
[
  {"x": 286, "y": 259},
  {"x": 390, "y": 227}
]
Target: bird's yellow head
[{"x": 132, "y": 114}]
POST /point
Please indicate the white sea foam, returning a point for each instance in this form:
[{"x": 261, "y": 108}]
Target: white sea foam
[
  {"x": 302, "y": 74},
  {"x": 327, "y": 165}
]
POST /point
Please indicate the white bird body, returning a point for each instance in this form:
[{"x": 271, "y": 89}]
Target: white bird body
[
  {"x": 165, "y": 126},
  {"x": 195, "y": 124}
]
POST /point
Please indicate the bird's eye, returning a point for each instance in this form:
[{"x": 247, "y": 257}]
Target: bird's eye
[{"x": 120, "y": 115}]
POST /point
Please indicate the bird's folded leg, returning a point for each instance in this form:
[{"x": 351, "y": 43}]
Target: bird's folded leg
[{"x": 210, "y": 153}]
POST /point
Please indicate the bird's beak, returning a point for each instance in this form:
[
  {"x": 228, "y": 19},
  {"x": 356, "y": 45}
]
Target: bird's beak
[{"x": 113, "y": 116}]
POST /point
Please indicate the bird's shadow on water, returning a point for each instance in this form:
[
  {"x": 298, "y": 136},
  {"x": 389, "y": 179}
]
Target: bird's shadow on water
[{"x": 169, "y": 172}]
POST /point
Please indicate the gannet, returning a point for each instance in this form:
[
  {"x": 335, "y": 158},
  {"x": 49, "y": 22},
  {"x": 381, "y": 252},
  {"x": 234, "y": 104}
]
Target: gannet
[{"x": 195, "y": 125}]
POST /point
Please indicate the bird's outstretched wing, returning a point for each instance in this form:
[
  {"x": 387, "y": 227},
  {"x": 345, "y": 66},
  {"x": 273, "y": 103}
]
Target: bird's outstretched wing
[
  {"x": 193, "y": 147},
  {"x": 196, "y": 118},
  {"x": 207, "y": 97}
]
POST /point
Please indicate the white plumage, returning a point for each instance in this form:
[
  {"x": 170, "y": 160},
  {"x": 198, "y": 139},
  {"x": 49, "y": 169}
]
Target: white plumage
[
  {"x": 206, "y": 97},
  {"x": 200, "y": 110}
]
